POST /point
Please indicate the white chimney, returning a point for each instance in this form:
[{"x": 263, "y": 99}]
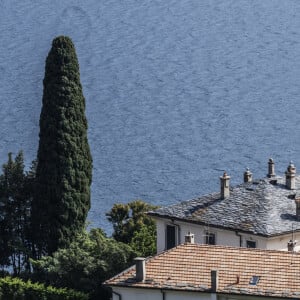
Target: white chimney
[
  {"x": 224, "y": 180},
  {"x": 290, "y": 175},
  {"x": 247, "y": 176},
  {"x": 190, "y": 238},
  {"x": 140, "y": 267},
  {"x": 271, "y": 168}
]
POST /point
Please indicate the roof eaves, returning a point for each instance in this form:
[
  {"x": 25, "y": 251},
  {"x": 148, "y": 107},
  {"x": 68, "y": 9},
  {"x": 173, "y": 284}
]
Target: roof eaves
[
  {"x": 166, "y": 287},
  {"x": 193, "y": 221},
  {"x": 203, "y": 289}
]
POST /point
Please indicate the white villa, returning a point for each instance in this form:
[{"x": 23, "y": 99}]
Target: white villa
[
  {"x": 222, "y": 264},
  {"x": 262, "y": 213}
]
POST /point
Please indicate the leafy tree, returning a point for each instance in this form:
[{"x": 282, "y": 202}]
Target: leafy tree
[
  {"x": 132, "y": 226},
  {"x": 15, "y": 201},
  {"x": 89, "y": 260},
  {"x": 64, "y": 163},
  {"x": 144, "y": 241}
]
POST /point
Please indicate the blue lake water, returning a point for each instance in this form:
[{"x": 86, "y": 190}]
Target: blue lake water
[{"x": 176, "y": 91}]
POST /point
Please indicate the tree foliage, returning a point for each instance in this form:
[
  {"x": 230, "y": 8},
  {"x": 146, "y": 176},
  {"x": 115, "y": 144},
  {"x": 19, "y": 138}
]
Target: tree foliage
[
  {"x": 64, "y": 163},
  {"x": 15, "y": 288},
  {"x": 90, "y": 259},
  {"x": 144, "y": 241},
  {"x": 132, "y": 226},
  {"x": 16, "y": 188}
]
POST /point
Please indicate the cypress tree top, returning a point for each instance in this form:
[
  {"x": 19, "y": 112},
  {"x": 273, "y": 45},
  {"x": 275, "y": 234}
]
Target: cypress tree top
[{"x": 64, "y": 164}]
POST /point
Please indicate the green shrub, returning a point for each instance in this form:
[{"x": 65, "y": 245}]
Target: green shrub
[{"x": 16, "y": 289}]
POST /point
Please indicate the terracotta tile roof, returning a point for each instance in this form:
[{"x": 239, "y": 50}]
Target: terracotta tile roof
[
  {"x": 264, "y": 207},
  {"x": 188, "y": 267}
]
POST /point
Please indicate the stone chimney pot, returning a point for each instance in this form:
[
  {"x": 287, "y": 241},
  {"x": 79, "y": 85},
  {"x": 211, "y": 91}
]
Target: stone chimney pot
[
  {"x": 291, "y": 245},
  {"x": 247, "y": 176},
  {"x": 190, "y": 238},
  {"x": 214, "y": 280},
  {"x": 224, "y": 180},
  {"x": 271, "y": 168},
  {"x": 140, "y": 267},
  {"x": 290, "y": 175},
  {"x": 297, "y": 201}
]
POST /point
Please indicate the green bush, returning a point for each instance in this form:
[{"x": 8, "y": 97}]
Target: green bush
[{"x": 17, "y": 289}]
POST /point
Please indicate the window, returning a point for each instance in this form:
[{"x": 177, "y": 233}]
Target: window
[
  {"x": 254, "y": 280},
  {"x": 170, "y": 237},
  {"x": 210, "y": 238},
  {"x": 251, "y": 244}
]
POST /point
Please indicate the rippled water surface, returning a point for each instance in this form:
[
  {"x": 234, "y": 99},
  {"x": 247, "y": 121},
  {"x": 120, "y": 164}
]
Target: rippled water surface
[{"x": 176, "y": 91}]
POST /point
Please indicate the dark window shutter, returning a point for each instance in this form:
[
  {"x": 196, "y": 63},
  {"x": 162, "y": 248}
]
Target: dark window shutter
[{"x": 171, "y": 238}]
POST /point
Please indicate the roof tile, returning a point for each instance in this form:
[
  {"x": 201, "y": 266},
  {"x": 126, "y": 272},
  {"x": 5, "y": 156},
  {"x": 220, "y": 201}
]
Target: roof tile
[
  {"x": 188, "y": 267},
  {"x": 259, "y": 207}
]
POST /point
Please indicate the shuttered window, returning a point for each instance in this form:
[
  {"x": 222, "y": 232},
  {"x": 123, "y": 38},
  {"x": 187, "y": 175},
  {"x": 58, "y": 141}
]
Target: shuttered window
[
  {"x": 210, "y": 238},
  {"x": 170, "y": 236}
]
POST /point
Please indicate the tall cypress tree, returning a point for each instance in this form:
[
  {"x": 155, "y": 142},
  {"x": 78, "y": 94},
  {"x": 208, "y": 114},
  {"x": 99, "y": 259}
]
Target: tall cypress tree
[{"x": 64, "y": 163}]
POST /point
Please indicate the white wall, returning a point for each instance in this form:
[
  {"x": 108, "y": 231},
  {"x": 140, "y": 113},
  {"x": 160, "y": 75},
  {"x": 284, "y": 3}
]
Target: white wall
[
  {"x": 153, "y": 294},
  {"x": 243, "y": 297},
  {"x": 178, "y": 295},
  {"x": 223, "y": 237},
  {"x": 160, "y": 240},
  {"x": 137, "y": 294},
  {"x": 280, "y": 243}
]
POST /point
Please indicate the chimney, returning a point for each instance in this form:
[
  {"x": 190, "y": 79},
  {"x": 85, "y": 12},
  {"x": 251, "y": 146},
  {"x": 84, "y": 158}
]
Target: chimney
[
  {"x": 214, "y": 280},
  {"x": 271, "y": 172},
  {"x": 225, "y": 192},
  {"x": 290, "y": 176},
  {"x": 247, "y": 176},
  {"x": 297, "y": 201},
  {"x": 291, "y": 245},
  {"x": 190, "y": 238},
  {"x": 140, "y": 267}
]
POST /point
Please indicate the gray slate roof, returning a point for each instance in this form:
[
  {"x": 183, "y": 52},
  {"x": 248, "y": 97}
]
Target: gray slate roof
[{"x": 261, "y": 207}]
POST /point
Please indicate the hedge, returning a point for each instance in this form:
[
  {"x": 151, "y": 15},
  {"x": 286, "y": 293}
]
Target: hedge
[{"x": 16, "y": 289}]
